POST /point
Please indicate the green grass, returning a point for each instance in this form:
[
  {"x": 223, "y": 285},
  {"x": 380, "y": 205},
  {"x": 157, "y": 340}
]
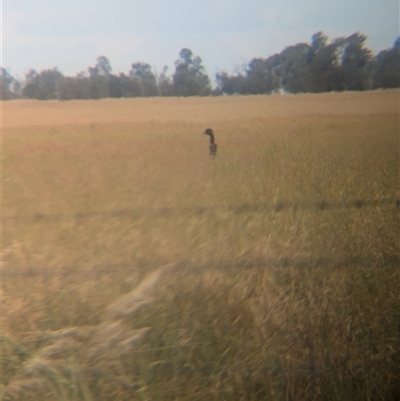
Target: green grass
[{"x": 282, "y": 260}]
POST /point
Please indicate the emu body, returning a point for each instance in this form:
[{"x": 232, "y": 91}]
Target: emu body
[{"x": 213, "y": 146}]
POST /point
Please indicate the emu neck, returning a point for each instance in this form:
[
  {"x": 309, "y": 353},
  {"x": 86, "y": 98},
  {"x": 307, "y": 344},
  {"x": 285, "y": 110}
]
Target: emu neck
[{"x": 211, "y": 138}]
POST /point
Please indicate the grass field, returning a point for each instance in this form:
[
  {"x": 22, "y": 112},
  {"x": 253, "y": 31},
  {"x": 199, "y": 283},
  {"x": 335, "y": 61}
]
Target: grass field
[{"x": 134, "y": 267}]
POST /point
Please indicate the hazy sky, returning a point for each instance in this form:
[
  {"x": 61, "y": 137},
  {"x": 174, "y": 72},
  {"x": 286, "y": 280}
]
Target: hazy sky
[{"x": 226, "y": 34}]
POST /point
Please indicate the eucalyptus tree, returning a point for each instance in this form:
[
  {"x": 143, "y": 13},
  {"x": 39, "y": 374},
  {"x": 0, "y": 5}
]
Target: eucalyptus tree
[{"x": 190, "y": 77}]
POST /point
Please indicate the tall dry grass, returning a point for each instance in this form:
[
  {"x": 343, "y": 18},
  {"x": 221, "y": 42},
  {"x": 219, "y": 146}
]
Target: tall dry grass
[
  {"x": 284, "y": 249},
  {"x": 28, "y": 113}
]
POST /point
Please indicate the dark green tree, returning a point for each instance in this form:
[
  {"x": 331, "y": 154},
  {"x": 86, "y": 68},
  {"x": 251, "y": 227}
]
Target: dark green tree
[
  {"x": 144, "y": 78},
  {"x": 258, "y": 77},
  {"x": 293, "y": 69},
  {"x": 190, "y": 77},
  {"x": 165, "y": 85},
  {"x": 232, "y": 84},
  {"x": 115, "y": 88},
  {"x": 262, "y": 77},
  {"x": 43, "y": 85},
  {"x": 385, "y": 67},
  {"x": 354, "y": 62},
  {"x": 77, "y": 87},
  {"x": 99, "y": 77},
  {"x": 103, "y": 66},
  {"x": 98, "y": 87},
  {"x": 318, "y": 41},
  {"x": 67, "y": 89},
  {"x": 9, "y": 85},
  {"x": 130, "y": 88},
  {"x": 325, "y": 71}
]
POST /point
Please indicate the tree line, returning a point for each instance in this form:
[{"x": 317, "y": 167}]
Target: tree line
[{"x": 342, "y": 64}]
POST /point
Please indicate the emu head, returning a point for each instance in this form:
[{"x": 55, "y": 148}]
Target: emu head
[{"x": 210, "y": 133}]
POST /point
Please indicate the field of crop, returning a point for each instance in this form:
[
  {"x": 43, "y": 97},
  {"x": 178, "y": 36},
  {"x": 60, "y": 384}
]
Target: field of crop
[{"x": 135, "y": 267}]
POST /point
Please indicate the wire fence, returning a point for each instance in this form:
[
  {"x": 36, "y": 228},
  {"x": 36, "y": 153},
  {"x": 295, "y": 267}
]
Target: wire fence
[
  {"x": 97, "y": 271},
  {"x": 279, "y": 206}
]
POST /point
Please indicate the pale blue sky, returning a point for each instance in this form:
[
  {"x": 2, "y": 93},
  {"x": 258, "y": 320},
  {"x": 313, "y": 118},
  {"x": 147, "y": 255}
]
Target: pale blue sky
[{"x": 226, "y": 34}]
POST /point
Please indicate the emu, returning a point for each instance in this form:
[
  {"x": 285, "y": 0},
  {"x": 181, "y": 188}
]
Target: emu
[{"x": 213, "y": 146}]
